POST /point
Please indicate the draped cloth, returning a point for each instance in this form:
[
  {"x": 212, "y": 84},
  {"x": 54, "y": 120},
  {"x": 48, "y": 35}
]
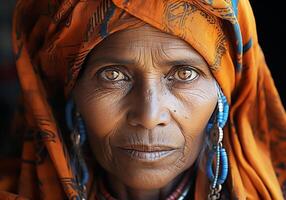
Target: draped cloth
[{"x": 51, "y": 40}]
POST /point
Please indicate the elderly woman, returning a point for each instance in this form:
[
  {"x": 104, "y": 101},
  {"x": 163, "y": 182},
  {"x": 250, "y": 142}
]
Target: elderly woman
[{"x": 133, "y": 99}]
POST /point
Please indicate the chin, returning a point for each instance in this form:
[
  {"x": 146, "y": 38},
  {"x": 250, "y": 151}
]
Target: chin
[
  {"x": 147, "y": 176},
  {"x": 147, "y": 179},
  {"x": 146, "y": 172}
]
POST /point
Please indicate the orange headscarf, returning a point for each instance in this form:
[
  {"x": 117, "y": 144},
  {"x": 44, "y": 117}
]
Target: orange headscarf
[{"x": 53, "y": 37}]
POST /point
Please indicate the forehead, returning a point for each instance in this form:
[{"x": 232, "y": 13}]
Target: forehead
[
  {"x": 146, "y": 47},
  {"x": 144, "y": 36}
]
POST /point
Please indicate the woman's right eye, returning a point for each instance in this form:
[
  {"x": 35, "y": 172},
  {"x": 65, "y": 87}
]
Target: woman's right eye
[{"x": 113, "y": 75}]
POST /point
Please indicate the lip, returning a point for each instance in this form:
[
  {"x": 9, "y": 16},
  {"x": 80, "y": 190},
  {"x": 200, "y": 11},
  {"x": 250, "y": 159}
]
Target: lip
[
  {"x": 147, "y": 153},
  {"x": 147, "y": 148}
]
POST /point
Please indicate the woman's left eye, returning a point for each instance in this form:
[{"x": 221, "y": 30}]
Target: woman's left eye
[
  {"x": 185, "y": 74},
  {"x": 113, "y": 75}
]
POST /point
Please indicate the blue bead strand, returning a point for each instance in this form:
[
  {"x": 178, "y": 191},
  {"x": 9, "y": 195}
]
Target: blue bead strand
[
  {"x": 222, "y": 116},
  {"x": 76, "y": 159},
  {"x": 81, "y": 130},
  {"x": 218, "y": 152},
  {"x": 210, "y": 124},
  {"x": 69, "y": 114},
  {"x": 224, "y": 166},
  {"x": 223, "y": 163},
  {"x": 83, "y": 166},
  {"x": 209, "y": 127}
]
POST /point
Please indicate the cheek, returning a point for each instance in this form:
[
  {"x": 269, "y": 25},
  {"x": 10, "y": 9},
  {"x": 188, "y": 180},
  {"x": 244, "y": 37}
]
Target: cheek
[
  {"x": 197, "y": 113},
  {"x": 102, "y": 114},
  {"x": 101, "y": 118},
  {"x": 195, "y": 109},
  {"x": 100, "y": 110}
]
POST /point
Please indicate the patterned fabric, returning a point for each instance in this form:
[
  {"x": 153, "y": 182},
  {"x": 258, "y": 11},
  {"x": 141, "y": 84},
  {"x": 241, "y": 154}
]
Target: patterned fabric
[{"x": 53, "y": 37}]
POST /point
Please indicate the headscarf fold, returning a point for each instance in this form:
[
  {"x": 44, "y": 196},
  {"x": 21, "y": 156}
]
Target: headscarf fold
[{"x": 52, "y": 39}]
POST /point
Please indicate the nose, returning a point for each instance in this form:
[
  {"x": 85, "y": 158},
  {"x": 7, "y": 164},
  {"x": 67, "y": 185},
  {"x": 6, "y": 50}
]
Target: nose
[{"x": 148, "y": 108}]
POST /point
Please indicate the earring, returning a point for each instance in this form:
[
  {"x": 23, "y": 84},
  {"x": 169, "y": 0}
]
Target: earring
[
  {"x": 218, "y": 153},
  {"x": 78, "y": 136}
]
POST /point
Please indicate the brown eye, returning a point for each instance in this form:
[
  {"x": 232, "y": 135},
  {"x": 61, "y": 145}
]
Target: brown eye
[
  {"x": 113, "y": 75},
  {"x": 185, "y": 74}
]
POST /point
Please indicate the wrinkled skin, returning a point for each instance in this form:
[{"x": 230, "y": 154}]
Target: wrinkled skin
[{"x": 146, "y": 98}]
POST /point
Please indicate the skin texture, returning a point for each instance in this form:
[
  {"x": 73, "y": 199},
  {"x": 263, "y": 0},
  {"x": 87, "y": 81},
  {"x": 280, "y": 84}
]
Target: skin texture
[{"x": 144, "y": 92}]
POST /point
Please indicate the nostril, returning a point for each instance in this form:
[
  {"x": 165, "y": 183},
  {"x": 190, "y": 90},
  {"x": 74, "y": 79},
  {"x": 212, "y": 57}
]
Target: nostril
[{"x": 148, "y": 118}]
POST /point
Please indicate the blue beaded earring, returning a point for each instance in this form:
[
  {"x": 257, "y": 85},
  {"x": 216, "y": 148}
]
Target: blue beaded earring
[
  {"x": 218, "y": 153},
  {"x": 78, "y": 136}
]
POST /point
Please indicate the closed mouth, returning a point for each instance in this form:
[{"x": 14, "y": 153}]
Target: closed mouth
[
  {"x": 147, "y": 152},
  {"x": 148, "y": 148}
]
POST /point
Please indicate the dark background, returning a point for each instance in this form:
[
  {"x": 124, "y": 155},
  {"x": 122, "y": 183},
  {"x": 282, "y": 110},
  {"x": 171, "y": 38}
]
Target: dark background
[
  {"x": 271, "y": 30},
  {"x": 271, "y": 33}
]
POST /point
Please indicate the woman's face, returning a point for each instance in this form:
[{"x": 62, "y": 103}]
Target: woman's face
[{"x": 145, "y": 97}]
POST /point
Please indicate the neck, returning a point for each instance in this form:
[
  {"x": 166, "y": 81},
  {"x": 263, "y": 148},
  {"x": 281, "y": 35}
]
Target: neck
[{"x": 121, "y": 191}]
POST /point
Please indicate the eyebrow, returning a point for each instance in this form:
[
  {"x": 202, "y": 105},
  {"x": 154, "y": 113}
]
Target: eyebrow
[
  {"x": 186, "y": 61},
  {"x": 114, "y": 60}
]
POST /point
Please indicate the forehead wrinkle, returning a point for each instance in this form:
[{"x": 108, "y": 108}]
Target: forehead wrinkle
[
  {"x": 148, "y": 37},
  {"x": 159, "y": 56},
  {"x": 165, "y": 54},
  {"x": 165, "y": 50},
  {"x": 151, "y": 57},
  {"x": 147, "y": 31},
  {"x": 147, "y": 41},
  {"x": 145, "y": 58}
]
